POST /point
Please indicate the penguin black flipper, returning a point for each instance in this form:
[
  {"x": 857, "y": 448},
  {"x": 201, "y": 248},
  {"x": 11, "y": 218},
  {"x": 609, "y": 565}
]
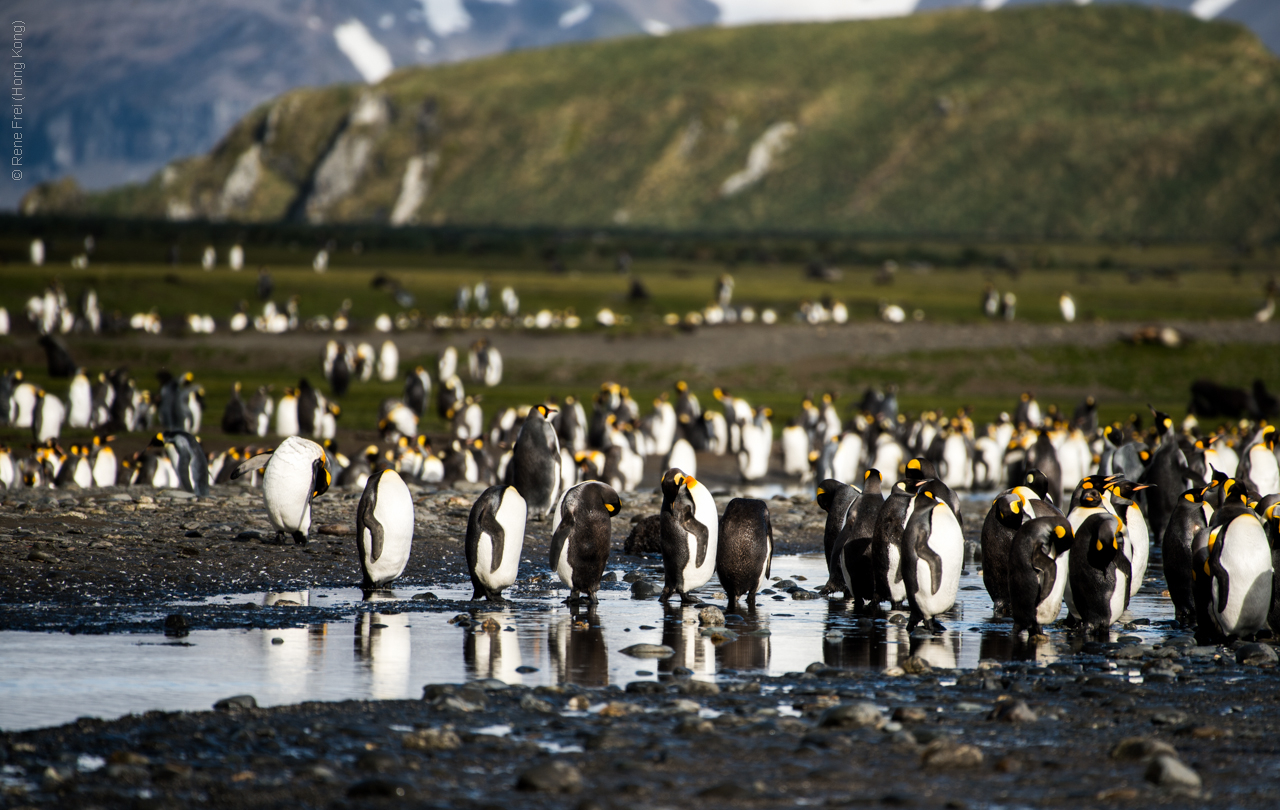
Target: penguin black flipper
[
  {"x": 249, "y": 465},
  {"x": 701, "y": 534},
  {"x": 490, "y": 525},
  {"x": 366, "y": 519},
  {"x": 1219, "y": 574},
  {"x": 1046, "y": 569},
  {"x": 926, "y": 553}
]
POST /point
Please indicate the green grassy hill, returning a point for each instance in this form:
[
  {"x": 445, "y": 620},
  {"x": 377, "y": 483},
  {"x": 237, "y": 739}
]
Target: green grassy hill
[{"x": 1075, "y": 122}]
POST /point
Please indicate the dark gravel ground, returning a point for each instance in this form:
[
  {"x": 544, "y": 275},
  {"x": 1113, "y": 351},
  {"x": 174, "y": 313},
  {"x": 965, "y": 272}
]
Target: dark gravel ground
[{"x": 1017, "y": 734}]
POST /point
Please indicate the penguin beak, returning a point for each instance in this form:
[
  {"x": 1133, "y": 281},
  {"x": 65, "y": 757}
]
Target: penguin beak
[{"x": 690, "y": 481}]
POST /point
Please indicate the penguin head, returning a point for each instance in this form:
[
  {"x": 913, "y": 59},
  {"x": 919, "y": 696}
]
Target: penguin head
[
  {"x": 870, "y": 477},
  {"x": 609, "y": 496},
  {"x": 1010, "y": 509},
  {"x": 157, "y": 440},
  {"x": 1091, "y": 498},
  {"x": 1195, "y": 496}
]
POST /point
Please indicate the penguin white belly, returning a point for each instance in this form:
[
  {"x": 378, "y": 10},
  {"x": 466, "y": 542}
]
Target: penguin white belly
[
  {"x": 563, "y": 567},
  {"x": 694, "y": 575},
  {"x": 8, "y": 472},
  {"x": 795, "y": 452},
  {"x": 848, "y": 458},
  {"x": 1118, "y": 596},
  {"x": 287, "y": 417},
  {"x": 166, "y": 476},
  {"x": 511, "y": 516},
  {"x": 683, "y": 457},
  {"x": 394, "y": 512},
  {"x": 22, "y": 408},
  {"x": 888, "y": 460},
  {"x": 83, "y": 473},
  {"x": 1264, "y": 471},
  {"x": 632, "y": 468},
  {"x": 1139, "y": 551},
  {"x": 432, "y": 469},
  {"x": 898, "y": 588},
  {"x": 81, "y": 397},
  {"x": 568, "y": 473},
  {"x": 956, "y": 457},
  {"x": 471, "y": 471},
  {"x": 1048, "y": 610},
  {"x": 52, "y": 413},
  {"x": 1246, "y": 557},
  {"x": 947, "y": 541}
]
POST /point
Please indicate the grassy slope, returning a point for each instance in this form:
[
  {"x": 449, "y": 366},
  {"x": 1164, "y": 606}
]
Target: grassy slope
[{"x": 1092, "y": 121}]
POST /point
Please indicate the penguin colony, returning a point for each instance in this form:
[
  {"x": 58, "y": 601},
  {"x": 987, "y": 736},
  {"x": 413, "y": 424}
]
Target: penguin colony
[{"x": 888, "y": 483}]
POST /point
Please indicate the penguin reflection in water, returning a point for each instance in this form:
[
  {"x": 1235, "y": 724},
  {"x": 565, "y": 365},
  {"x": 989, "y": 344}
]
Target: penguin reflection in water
[
  {"x": 581, "y": 537},
  {"x": 689, "y": 532},
  {"x": 296, "y": 472},
  {"x": 495, "y": 538},
  {"x": 384, "y": 529}
]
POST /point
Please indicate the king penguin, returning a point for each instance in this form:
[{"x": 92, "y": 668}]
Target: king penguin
[
  {"x": 581, "y": 537},
  {"x": 1187, "y": 520},
  {"x": 495, "y": 538},
  {"x": 690, "y": 530},
  {"x": 835, "y": 498},
  {"x": 853, "y": 545},
  {"x": 1035, "y": 594},
  {"x": 886, "y": 544},
  {"x": 933, "y": 554},
  {"x": 296, "y": 472},
  {"x": 188, "y": 460},
  {"x": 1099, "y": 573},
  {"x": 535, "y": 463},
  {"x": 1239, "y": 571},
  {"x": 744, "y": 553},
  {"x": 384, "y": 528}
]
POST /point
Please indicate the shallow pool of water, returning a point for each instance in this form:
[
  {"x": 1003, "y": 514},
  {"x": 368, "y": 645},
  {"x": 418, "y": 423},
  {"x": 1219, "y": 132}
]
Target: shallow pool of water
[{"x": 50, "y": 678}]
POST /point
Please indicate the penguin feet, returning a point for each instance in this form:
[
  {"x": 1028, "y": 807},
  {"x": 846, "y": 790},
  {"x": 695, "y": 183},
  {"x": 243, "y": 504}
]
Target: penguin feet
[
  {"x": 665, "y": 596},
  {"x": 300, "y": 538},
  {"x": 831, "y": 587}
]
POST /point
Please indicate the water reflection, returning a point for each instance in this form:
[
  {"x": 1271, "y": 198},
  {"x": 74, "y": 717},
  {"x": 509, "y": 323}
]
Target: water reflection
[
  {"x": 489, "y": 649},
  {"x": 694, "y": 651},
  {"x": 579, "y": 654},
  {"x": 46, "y": 678},
  {"x": 752, "y": 649}
]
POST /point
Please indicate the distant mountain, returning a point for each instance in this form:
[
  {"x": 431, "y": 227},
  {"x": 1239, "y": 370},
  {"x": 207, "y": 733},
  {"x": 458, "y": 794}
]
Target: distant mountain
[
  {"x": 121, "y": 87},
  {"x": 1058, "y": 121}
]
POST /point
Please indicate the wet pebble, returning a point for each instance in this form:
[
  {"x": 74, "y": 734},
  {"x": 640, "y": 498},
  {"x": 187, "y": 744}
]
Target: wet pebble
[
  {"x": 529, "y": 703},
  {"x": 852, "y": 715},
  {"x": 236, "y": 703},
  {"x": 1257, "y": 655},
  {"x": 380, "y": 789},
  {"x": 1013, "y": 711},
  {"x": 948, "y": 754},
  {"x": 377, "y": 762},
  {"x": 1169, "y": 772},
  {"x": 441, "y": 738},
  {"x": 554, "y": 776},
  {"x": 711, "y": 617},
  {"x": 1133, "y": 749},
  {"x": 648, "y": 651},
  {"x": 643, "y": 589}
]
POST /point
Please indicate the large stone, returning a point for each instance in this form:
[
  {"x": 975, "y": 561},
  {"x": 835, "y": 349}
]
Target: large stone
[
  {"x": 554, "y": 776},
  {"x": 1133, "y": 749},
  {"x": 648, "y": 651},
  {"x": 645, "y": 537},
  {"x": 1257, "y": 655},
  {"x": 1168, "y": 771},
  {"x": 644, "y": 589},
  {"x": 852, "y": 715},
  {"x": 236, "y": 703},
  {"x": 949, "y": 754},
  {"x": 1013, "y": 711},
  {"x": 711, "y": 616}
]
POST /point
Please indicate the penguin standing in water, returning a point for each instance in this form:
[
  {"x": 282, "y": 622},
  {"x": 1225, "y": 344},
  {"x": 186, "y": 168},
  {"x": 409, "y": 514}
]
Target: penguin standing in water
[
  {"x": 1187, "y": 520},
  {"x": 581, "y": 537},
  {"x": 384, "y": 529},
  {"x": 1035, "y": 595},
  {"x": 495, "y": 538},
  {"x": 853, "y": 546},
  {"x": 1100, "y": 573},
  {"x": 744, "y": 553},
  {"x": 188, "y": 459},
  {"x": 886, "y": 544},
  {"x": 690, "y": 531},
  {"x": 296, "y": 472},
  {"x": 933, "y": 554},
  {"x": 835, "y": 498},
  {"x": 1137, "y": 540},
  {"x": 1168, "y": 471},
  {"x": 1239, "y": 572},
  {"x": 1272, "y": 523},
  {"x": 1002, "y": 523},
  {"x": 535, "y": 463}
]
